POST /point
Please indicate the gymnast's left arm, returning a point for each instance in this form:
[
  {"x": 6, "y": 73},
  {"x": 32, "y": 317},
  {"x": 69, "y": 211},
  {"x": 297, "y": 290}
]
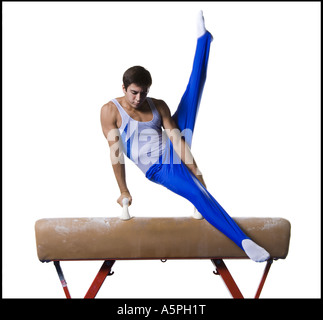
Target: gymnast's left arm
[{"x": 179, "y": 144}]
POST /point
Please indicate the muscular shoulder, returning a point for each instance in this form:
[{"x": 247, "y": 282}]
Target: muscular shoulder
[
  {"x": 167, "y": 121},
  {"x": 109, "y": 109},
  {"x": 161, "y": 106},
  {"x": 109, "y": 115}
]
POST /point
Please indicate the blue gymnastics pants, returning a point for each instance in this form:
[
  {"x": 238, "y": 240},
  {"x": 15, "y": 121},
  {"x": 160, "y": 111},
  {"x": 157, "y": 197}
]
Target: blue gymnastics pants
[{"x": 172, "y": 173}]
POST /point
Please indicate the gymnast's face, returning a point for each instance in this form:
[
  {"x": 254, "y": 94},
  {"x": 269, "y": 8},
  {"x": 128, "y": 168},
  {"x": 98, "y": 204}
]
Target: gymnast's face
[{"x": 135, "y": 95}]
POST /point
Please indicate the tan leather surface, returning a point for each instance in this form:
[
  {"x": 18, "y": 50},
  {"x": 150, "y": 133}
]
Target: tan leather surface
[{"x": 153, "y": 238}]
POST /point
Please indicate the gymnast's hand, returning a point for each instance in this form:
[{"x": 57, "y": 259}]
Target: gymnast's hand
[{"x": 125, "y": 194}]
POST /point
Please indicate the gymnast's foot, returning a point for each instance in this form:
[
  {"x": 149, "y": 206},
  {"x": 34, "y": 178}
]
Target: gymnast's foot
[
  {"x": 255, "y": 252},
  {"x": 201, "y": 30}
]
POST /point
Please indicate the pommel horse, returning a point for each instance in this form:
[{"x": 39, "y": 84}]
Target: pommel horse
[{"x": 143, "y": 238}]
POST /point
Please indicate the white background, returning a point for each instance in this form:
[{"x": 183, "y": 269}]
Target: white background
[{"x": 257, "y": 138}]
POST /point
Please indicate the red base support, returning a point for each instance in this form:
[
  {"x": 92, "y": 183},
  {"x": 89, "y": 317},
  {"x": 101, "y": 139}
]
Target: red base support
[
  {"x": 263, "y": 279},
  {"x": 227, "y": 278},
  {"x": 99, "y": 279},
  {"x": 107, "y": 265},
  {"x": 96, "y": 284},
  {"x": 62, "y": 279},
  {"x": 223, "y": 271}
]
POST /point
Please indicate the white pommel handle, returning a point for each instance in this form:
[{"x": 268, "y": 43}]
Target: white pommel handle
[
  {"x": 125, "y": 212},
  {"x": 196, "y": 215}
]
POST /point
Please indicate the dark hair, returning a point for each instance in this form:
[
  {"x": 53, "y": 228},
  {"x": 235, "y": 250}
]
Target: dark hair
[{"x": 137, "y": 75}]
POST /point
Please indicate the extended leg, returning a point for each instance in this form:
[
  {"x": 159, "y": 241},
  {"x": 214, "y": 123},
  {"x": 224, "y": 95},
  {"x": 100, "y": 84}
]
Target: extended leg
[
  {"x": 179, "y": 179},
  {"x": 185, "y": 115},
  {"x": 175, "y": 176}
]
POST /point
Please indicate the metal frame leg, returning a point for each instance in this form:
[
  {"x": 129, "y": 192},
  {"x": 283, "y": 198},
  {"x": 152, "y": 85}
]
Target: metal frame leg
[
  {"x": 263, "y": 279},
  {"x": 106, "y": 267},
  {"x": 62, "y": 279},
  {"x": 104, "y": 271},
  {"x": 227, "y": 278},
  {"x": 223, "y": 271},
  {"x": 99, "y": 279}
]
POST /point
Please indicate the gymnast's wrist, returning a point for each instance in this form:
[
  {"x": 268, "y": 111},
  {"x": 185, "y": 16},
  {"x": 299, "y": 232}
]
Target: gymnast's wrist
[
  {"x": 195, "y": 170},
  {"x": 198, "y": 172}
]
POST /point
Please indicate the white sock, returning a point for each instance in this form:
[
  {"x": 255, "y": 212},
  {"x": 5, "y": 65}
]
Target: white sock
[
  {"x": 254, "y": 252},
  {"x": 200, "y": 24}
]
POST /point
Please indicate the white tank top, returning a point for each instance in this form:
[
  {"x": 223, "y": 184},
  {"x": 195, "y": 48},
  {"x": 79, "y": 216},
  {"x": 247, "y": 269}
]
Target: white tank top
[{"x": 143, "y": 142}]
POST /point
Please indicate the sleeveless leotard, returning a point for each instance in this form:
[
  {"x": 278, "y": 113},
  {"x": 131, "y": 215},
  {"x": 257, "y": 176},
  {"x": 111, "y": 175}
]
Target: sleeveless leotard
[{"x": 143, "y": 142}]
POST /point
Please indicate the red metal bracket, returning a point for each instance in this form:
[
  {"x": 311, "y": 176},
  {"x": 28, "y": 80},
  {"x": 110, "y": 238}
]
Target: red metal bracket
[
  {"x": 99, "y": 279},
  {"x": 263, "y": 279},
  {"x": 62, "y": 279},
  {"x": 223, "y": 271},
  {"x": 96, "y": 284},
  {"x": 227, "y": 278}
]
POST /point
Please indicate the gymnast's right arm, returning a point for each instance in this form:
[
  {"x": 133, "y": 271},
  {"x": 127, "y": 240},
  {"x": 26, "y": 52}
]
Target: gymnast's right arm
[{"x": 110, "y": 130}]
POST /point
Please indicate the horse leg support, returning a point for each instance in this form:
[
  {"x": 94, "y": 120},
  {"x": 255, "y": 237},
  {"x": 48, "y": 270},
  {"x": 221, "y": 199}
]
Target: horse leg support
[
  {"x": 223, "y": 271},
  {"x": 107, "y": 265},
  {"x": 227, "y": 278},
  {"x": 263, "y": 279},
  {"x": 62, "y": 279},
  {"x": 99, "y": 279},
  {"x": 104, "y": 271}
]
